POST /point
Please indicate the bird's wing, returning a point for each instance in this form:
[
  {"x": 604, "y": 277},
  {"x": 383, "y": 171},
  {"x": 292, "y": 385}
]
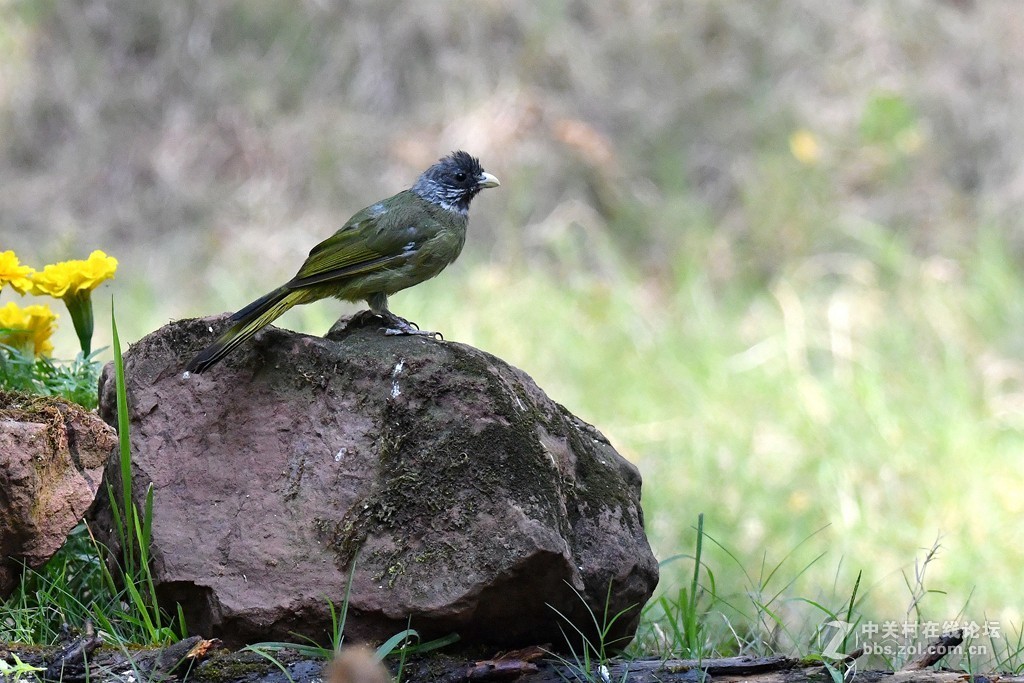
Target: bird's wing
[{"x": 377, "y": 237}]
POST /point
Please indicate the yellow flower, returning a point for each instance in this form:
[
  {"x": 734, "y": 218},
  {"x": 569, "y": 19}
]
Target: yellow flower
[
  {"x": 70, "y": 277},
  {"x": 28, "y": 329},
  {"x": 13, "y": 273},
  {"x": 73, "y": 281},
  {"x": 804, "y": 146}
]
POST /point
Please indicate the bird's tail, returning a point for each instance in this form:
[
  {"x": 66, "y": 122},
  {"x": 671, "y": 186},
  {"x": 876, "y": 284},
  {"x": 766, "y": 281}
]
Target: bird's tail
[{"x": 247, "y": 322}]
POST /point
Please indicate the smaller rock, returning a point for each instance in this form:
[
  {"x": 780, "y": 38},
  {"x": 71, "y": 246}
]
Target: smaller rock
[{"x": 52, "y": 454}]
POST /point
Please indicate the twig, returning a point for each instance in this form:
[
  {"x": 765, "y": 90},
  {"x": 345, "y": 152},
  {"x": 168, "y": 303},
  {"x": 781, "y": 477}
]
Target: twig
[
  {"x": 935, "y": 650},
  {"x": 74, "y": 654}
]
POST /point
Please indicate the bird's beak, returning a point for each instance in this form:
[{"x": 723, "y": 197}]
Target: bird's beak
[{"x": 487, "y": 180}]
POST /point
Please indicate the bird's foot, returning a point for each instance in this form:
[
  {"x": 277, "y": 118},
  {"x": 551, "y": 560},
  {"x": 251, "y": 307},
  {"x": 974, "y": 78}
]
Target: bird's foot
[{"x": 401, "y": 326}]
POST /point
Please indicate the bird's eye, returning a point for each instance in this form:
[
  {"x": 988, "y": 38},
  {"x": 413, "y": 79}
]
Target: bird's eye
[{"x": 460, "y": 176}]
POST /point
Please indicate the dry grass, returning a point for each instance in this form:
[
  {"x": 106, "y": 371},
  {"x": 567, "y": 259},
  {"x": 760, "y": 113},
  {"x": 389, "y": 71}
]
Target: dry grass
[{"x": 191, "y": 130}]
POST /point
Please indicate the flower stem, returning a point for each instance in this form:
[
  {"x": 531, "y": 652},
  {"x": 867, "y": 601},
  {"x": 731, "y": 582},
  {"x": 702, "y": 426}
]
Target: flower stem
[{"x": 80, "y": 307}]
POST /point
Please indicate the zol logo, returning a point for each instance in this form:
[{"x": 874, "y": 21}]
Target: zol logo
[{"x": 838, "y": 641}]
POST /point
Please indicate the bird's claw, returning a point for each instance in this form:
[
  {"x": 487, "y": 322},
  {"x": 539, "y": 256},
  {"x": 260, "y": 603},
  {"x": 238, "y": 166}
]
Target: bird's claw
[{"x": 401, "y": 326}]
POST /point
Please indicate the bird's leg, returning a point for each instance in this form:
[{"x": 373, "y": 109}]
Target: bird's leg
[{"x": 396, "y": 324}]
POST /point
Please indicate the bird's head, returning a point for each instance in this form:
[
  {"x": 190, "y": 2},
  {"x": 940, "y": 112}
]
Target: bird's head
[{"x": 453, "y": 182}]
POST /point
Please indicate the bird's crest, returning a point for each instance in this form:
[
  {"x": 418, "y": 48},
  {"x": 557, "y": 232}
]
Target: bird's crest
[{"x": 464, "y": 161}]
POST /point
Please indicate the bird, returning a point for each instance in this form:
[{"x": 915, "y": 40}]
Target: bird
[{"x": 393, "y": 244}]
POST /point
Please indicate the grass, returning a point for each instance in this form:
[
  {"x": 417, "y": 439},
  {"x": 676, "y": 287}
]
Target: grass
[
  {"x": 871, "y": 394},
  {"x": 850, "y": 413},
  {"x": 822, "y": 355},
  {"x": 77, "y": 586},
  {"x": 676, "y": 624},
  {"x": 134, "y": 529},
  {"x": 584, "y": 654},
  {"x": 402, "y": 644},
  {"x": 862, "y": 404},
  {"x": 75, "y": 380}
]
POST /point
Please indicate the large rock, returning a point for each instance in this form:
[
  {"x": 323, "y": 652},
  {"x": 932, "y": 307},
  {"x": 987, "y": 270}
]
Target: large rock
[
  {"x": 52, "y": 455},
  {"x": 468, "y": 500}
]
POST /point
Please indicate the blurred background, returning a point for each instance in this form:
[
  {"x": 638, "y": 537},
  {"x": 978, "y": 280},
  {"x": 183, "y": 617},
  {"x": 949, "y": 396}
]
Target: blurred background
[{"x": 771, "y": 249}]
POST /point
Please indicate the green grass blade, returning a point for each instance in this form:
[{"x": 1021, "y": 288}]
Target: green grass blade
[
  {"x": 124, "y": 447},
  {"x": 389, "y": 645}
]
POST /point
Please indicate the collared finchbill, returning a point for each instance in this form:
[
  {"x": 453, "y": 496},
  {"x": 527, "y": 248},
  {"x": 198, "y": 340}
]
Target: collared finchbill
[{"x": 389, "y": 246}]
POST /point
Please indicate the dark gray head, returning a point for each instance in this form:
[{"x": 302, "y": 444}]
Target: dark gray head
[{"x": 453, "y": 182}]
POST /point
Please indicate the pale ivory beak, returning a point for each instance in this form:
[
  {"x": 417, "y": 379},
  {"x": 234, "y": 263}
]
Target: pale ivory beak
[{"x": 487, "y": 180}]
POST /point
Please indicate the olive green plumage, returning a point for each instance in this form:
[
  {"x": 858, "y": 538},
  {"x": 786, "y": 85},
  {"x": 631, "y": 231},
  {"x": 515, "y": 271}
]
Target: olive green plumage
[{"x": 391, "y": 245}]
